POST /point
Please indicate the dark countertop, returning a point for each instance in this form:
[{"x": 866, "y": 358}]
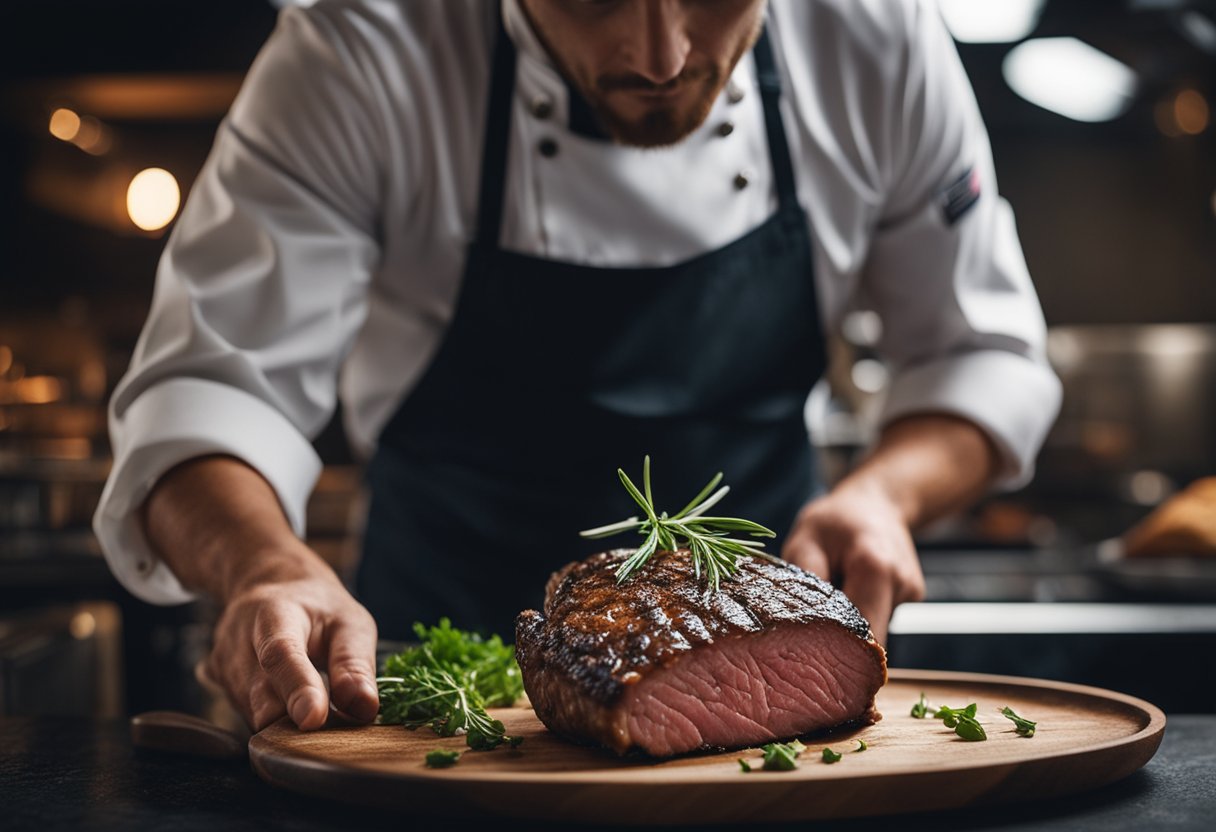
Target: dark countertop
[{"x": 85, "y": 775}]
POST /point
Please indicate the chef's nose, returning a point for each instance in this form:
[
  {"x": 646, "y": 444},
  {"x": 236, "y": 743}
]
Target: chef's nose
[{"x": 663, "y": 44}]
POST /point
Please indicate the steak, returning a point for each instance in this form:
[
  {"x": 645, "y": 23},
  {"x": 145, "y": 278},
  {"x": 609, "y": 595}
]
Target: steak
[{"x": 664, "y": 664}]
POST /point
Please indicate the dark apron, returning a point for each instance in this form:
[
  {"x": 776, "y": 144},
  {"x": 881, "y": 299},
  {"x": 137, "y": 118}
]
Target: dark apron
[{"x": 552, "y": 375}]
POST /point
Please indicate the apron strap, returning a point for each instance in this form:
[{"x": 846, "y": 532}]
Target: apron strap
[
  {"x": 497, "y": 139},
  {"x": 769, "y": 79}
]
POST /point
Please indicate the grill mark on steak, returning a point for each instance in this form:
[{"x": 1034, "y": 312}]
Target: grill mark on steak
[{"x": 624, "y": 664}]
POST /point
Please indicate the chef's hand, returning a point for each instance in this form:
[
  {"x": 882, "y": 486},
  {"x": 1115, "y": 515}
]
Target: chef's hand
[
  {"x": 857, "y": 539},
  {"x": 274, "y": 634},
  {"x": 219, "y": 527},
  {"x": 859, "y": 536}
]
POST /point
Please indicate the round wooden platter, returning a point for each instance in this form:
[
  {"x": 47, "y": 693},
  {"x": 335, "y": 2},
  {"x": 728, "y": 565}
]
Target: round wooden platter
[{"x": 1087, "y": 737}]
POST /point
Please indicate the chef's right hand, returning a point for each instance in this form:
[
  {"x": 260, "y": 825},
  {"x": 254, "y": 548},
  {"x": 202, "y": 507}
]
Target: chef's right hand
[{"x": 273, "y": 635}]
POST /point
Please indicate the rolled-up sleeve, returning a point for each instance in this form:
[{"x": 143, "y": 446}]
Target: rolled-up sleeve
[
  {"x": 259, "y": 294},
  {"x": 962, "y": 327}
]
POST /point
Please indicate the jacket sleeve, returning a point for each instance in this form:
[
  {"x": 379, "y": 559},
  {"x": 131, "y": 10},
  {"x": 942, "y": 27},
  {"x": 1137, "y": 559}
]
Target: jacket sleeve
[
  {"x": 962, "y": 328},
  {"x": 259, "y": 293}
]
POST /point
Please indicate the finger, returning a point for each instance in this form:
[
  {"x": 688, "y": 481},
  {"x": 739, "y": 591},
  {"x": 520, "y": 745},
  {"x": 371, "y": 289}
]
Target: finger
[
  {"x": 265, "y": 706},
  {"x": 279, "y": 637},
  {"x": 871, "y": 588},
  {"x": 801, "y": 550},
  {"x": 233, "y": 670},
  {"x": 352, "y": 667}
]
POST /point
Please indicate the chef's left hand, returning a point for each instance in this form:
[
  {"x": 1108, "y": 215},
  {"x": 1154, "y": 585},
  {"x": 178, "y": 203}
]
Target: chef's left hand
[{"x": 856, "y": 537}]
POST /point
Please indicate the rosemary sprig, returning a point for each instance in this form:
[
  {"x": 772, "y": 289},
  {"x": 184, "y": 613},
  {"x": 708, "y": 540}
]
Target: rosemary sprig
[{"x": 714, "y": 552}]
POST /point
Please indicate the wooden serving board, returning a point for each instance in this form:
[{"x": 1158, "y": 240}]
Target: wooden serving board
[{"x": 1087, "y": 737}]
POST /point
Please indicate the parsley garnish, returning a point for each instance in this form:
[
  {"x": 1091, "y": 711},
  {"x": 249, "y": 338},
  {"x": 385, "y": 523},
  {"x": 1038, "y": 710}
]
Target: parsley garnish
[
  {"x": 707, "y": 538},
  {"x": 921, "y": 709},
  {"x": 1022, "y": 726},
  {"x": 440, "y": 758},
  {"x": 830, "y": 756},
  {"x": 447, "y": 682},
  {"x": 745, "y": 765}
]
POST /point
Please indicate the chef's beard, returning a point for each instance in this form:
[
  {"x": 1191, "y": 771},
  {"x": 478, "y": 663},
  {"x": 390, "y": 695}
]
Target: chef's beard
[{"x": 664, "y": 125}]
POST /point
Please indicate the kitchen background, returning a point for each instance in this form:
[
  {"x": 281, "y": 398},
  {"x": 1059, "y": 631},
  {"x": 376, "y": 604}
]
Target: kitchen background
[{"x": 1101, "y": 123}]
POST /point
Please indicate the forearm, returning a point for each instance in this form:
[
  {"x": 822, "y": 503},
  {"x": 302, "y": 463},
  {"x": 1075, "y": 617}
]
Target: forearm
[
  {"x": 219, "y": 526},
  {"x": 927, "y": 466}
]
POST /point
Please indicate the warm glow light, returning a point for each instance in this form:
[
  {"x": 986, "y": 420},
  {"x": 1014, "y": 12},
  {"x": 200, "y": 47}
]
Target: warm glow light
[
  {"x": 153, "y": 198},
  {"x": 990, "y": 21},
  {"x": 82, "y": 625},
  {"x": 65, "y": 124},
  {"x": 38, "y": 390},
  {"x": 1071, "y": 78},
  {"x": 6, "y": 359},
  {"x": 1191, "y": 112}
]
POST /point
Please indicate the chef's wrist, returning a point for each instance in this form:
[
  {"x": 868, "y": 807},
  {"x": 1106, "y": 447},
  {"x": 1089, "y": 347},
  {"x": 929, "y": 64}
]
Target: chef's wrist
[{"x": 289, "y": 562}]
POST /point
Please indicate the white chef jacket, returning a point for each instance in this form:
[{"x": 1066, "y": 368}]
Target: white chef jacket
[{"x": 321, "y": 249}]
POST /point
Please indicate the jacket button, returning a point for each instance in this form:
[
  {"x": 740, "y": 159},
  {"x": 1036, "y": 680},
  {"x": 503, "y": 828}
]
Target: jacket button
[
  {"x": 734, "y": 92},
  {"x": 541, "y": 107},
  {"x": 726, "y": 128},
  {"x": 742, "y": 180},
  {"x": 547, "y": 148}
]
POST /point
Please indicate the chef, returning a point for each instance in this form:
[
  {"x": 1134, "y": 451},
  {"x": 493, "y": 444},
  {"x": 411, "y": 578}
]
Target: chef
[{"x": 528, "y": 243}]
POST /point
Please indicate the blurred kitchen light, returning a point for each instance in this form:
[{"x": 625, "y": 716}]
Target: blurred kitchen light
[
  {"x": 65, "y": 124},
  {"x": 1200, "y": 30},
  {"x": 6, "y": 359},
  {"x": 869, "y": 376},
  {"x": 990, "y": 21},
  {"x": 93, "y": 137},
  {"x": 82, "y": 625},
  {"x": 862, "y": 328},
  {"x": 1148, "y": 488},
  {"x": 1064, "y": 350},
  {"x": 153, "y": 198},
  {"x": 1172, "y": 341},
  {"x": 37, "y": 390},
  {"x": 278, "y": 4},
  {"x": 1070, "y": 77},
  {"x": 1191, "y": 112},
  {"x": 1163, "y": 117}
]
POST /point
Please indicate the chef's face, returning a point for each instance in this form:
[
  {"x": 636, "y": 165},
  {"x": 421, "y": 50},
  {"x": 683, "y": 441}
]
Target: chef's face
[{"x": 651, "y": 69}]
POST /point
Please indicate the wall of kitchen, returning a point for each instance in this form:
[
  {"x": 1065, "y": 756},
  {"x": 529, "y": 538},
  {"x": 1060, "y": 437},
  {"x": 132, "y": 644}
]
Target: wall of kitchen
[{"x": 107, "y": 110}]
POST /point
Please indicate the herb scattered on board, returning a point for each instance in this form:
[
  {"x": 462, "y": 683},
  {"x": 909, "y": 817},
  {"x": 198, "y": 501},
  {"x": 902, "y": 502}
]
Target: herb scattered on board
[
  {"x": 830, "y": 756},
  {"x": 778, "y": 756},
  {"x": 962, "y": 720},
  {"x": 447, "y": 682},
  {"x": 861, "y": 746},
  {"x": 708, "y": 539},
  {"x": 439, "y": 758},
  {"x": 1022, "y": 726}
]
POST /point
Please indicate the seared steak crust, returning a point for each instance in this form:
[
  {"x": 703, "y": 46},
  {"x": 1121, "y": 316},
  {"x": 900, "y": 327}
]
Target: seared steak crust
[{"x": 597, "y": 639}]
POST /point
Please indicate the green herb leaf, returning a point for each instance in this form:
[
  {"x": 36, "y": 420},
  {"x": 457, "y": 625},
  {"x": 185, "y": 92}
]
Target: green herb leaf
[
  {"x": 1022, "y": 726},
  {"x": 439, "y": 758},
  {"x": 861, "y": 746},
  {"x": 448, "y": 682},
  {"x": 743, "y": 764},
  {"x": 921, "y": 709},
  {"x": 780, "y": 756},
  {"x": 963, "y": 721},
  {"x": 830, "y": 756},
  {"x": 707, "y": 539},
  {"x": 970, "y": 730}
]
